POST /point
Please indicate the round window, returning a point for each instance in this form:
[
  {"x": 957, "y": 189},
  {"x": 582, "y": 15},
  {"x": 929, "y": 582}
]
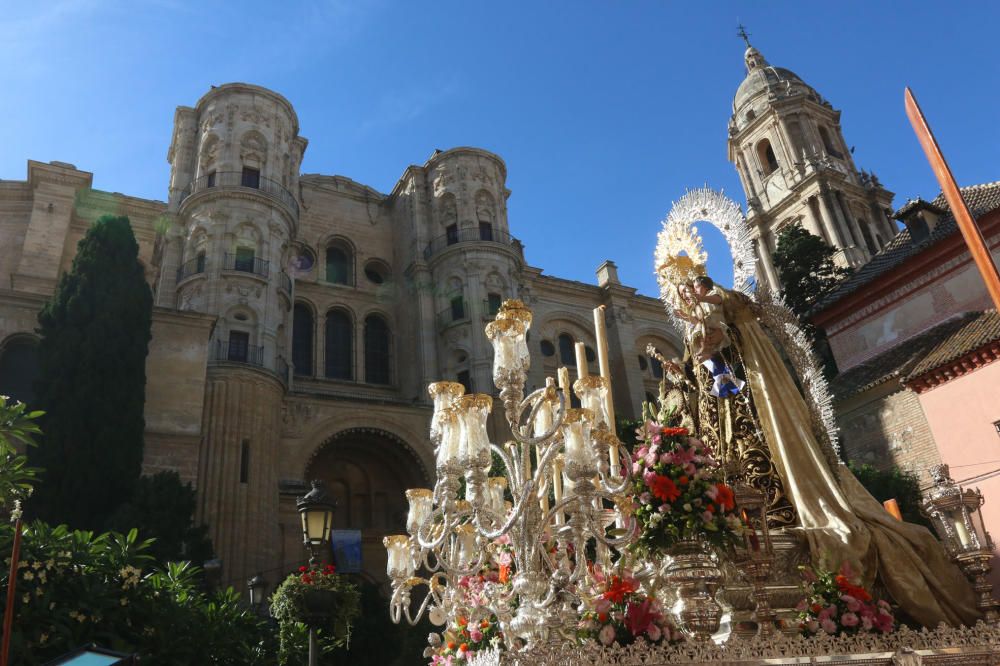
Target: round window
[
  {"x": 548, "y": 349},
  {"x": 376, "y": 272}
]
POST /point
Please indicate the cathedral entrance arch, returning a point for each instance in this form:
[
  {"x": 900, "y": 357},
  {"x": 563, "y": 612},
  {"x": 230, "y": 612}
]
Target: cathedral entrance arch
[{"x": 367, "y": 471}]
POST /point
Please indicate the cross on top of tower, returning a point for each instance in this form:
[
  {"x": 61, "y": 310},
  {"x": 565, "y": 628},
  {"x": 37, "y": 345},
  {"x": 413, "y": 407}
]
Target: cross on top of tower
[{"x": 742, "y": 32}]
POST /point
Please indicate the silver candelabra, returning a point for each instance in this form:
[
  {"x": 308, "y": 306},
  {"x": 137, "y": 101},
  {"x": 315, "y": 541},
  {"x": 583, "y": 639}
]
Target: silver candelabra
[{"x": 565, "y": 474}]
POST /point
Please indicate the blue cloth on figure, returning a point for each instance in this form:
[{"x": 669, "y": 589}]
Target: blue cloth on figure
[{"x": 726, "y": 384}]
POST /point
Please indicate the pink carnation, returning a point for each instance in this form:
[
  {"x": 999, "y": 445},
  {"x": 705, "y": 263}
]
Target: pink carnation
[
  {"x": 849, "y": 620},
  {"x": 654, "y": 633},
  {"x": 476, "y": 635},
  {"x": 853, "y": 604},
  {"x": 606, "y": 635},
  {"x": 829, "y": 626}
]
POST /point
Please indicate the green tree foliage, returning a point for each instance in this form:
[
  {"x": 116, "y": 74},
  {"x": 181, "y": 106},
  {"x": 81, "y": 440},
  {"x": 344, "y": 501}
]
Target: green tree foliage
[
  {"x": 75, "y": 587},
  {"x": 805, "y": 267},
  {"x": 161, "y": 508},
  {"x": 18, "y": 428},
  {"x": 95, "y": 335},
  {"x": 896, "y": 484}
]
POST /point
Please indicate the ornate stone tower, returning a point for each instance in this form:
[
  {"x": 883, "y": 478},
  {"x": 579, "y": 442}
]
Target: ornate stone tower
[
  {"x": 786, "y": 143},
  {"x": 234, "y": 174},
  {"x": 471, "y": 258}
]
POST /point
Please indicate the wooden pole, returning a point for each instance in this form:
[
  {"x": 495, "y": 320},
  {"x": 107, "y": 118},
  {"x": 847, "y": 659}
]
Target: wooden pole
[
  {"x": 8, "y": 615},
  {"x": 963, "y": 217}
]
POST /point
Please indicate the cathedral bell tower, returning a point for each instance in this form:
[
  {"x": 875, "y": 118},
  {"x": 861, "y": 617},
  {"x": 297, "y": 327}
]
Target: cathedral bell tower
[{"x": 786, "y": 142}]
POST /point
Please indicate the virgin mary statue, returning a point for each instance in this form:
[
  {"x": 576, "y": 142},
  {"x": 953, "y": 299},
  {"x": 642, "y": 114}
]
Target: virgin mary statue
[{"x": 760, "y": 418}]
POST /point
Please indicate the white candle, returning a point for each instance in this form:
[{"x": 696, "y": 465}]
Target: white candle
[
  {"x": 581, "y": 360},
  {"x": 563, "y": 374},
  {"x": 605, "y": 366}
]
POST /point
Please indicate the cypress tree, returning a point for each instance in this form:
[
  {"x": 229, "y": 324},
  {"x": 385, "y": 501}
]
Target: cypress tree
[
  {"x": 805, "y": 267},
  {"x": 95, "y": 334}
]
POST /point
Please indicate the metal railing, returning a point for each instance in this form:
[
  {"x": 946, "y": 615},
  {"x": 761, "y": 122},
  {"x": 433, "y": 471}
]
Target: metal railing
[
  {"x": 470, "y": 235},
  {"x": 191, "y": 267},
  {"x": 284, "y": 282},
  {"x": 255, "y": 265},
  {"x": 239, "y": 352},
  {"x": 237, "y": 179}
]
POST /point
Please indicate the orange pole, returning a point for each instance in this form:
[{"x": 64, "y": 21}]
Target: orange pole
[
  {"x": 966, "y": 224},
  {"x": 8, "y": 615}
]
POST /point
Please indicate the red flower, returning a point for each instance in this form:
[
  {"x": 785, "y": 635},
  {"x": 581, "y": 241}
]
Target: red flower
[
  {"x": 302, "y": 569},
  {"x": 683, "y": 480},
  {"x": 845, "y": 586},
  {"x": 673, "y": 432},
  {"x": 710, "y": 507},
  {"x": 664, "y": 488},
  {"x": 619, "y": 588},
  {"x": 725, "y": 499}
]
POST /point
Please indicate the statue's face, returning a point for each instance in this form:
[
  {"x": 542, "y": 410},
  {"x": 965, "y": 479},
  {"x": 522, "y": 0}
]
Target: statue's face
[
  {"x": 700, "y": 289},
  {"x": 687, "y": 292}
]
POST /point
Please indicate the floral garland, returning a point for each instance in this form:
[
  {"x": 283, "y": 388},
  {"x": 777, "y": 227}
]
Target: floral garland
[
  {"x": 616, "y": 611},
  {"x": 836, "y": 605},
  {"x": 679, "y": 492}
]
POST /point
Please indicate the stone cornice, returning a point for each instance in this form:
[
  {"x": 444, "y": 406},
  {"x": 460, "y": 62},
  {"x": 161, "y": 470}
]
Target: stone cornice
[
  {"x": 39, "y": 172},
  {"x": 342, "y": 186},
  {"x": 242, "y": 193},
  {"x": 239, "y": 87}
]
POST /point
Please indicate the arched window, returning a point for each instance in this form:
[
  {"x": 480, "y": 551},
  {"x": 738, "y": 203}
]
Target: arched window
[
  {"x": 656, "y": 367},
  {"x": 302, "y": 340},
  {"x": 339, "y": 265},
  {"x": 339, "y": 345},
  {"x": 377, "y": 350},
  {"x": 643, "y": 364},
  {"x": 824, "y": 135},
  {"x": 19, "y": 369},
  {"x": 765, "y": 155},
  {"x": 567, "y": 354}
]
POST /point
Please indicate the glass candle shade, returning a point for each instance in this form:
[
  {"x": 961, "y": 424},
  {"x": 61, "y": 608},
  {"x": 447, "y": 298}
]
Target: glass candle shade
[
  {"x": 592, "y": 391},
  {"x": 507, "y": 337},
  {"x": 579, "y": 449},
  {"x": 545, "y": 416},
  {"x": 474, "y": 411},
  {"x": 421, "y": 506},
  {"x": 444, "y": 395},
  {"x": 497, "y": 486},
  {"x": 399, "y": 563},
  {"x": 516, "y": 310},
  {"x": 465, "y": 547},
  {"x": 451, "y": 437}
]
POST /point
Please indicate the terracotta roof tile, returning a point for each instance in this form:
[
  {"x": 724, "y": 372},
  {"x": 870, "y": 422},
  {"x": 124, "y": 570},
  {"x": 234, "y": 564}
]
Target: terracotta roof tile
[
  {"x": 981, "y": 199},
  {"x": 981, "y": 330}
]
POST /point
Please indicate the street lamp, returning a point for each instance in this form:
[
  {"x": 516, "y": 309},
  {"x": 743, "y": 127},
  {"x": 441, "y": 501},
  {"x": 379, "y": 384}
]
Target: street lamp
[
  {"x": 256, "y": 586},
  {"x": 957, "y": 516},
  {"x": 316, "y": 509}
]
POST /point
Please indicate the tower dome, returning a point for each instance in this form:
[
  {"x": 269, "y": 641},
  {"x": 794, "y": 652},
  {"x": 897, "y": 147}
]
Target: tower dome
[{"x": 764, "y": 82}]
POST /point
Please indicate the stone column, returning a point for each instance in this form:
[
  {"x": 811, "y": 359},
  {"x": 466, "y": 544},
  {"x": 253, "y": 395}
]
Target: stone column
[
  {"x": 817, "y": 216},
  {"x": 764, "y": 253}
]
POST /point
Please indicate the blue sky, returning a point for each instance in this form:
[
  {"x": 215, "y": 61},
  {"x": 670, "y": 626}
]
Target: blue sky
[{"x": 605, "y": 112}]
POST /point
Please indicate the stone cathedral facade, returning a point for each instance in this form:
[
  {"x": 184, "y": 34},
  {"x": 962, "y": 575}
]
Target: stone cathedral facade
[{"x": 299, "y": 318}]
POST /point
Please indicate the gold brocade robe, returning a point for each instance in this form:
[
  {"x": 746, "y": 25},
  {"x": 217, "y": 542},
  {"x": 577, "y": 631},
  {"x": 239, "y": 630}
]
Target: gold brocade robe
[{"x": 842, "y": 521}]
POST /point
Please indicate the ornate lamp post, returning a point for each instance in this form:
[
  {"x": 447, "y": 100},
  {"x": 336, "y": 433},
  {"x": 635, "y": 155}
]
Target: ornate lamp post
[
  {"x": 956, "y": 513},
  {"x": 256, "y": 586},
  {"x": 316, "y": 509},
  {"x": 760, "y": 553}
]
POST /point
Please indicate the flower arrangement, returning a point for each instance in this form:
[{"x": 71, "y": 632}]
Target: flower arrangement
[
  {"x": 678, "y": 490},
  {"x": 469, "y": 633},
  {"x": 318, "y": 596},
  {"x": 617, "y": 611},
  {"x": 835, "y": 604},
  {"x": 463, "y": 639}
]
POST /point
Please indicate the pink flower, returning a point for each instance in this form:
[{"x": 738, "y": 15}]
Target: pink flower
[
  {"x": 802, "y": 605},
  {"x": 707, "y": 516},
  {"x": 829, "y": 626},
  {"x": 853, "y": 604},
  {"x": 812, "y": 626},
  {"x": 636, "y": 469},
  {"x": 849, "y": 619},
  {"x": 606, "y": 635},
  {"x": 476, "y": 635},
  {"x": 664, "y": 458},
  {"x": 712, "y": 492},
  {"x": 883, "y": 622},
  {"x": 638, "y": 617},
  {"x": 602, "y": 605},
  {"x": 824, "y": 614},
  {"x": 866, "y": 622},
  {"x": 650, "y": 459},
  {"x": 654, "y": 633}
]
